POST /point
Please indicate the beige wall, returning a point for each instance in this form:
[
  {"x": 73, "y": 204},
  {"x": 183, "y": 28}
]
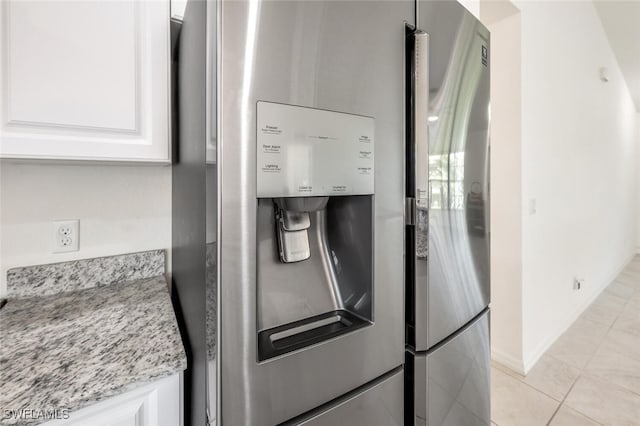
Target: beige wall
[
  {"x": 121, "y": 209},
  {"x": 503, "y": 21}
]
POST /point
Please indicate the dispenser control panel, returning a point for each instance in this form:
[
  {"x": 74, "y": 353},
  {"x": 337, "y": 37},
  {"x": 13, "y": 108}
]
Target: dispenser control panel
[{"x": 306, "y": 152}]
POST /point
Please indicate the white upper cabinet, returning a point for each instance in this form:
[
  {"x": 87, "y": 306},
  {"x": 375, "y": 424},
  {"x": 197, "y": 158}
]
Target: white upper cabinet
[{"x": 85, "y": 80}]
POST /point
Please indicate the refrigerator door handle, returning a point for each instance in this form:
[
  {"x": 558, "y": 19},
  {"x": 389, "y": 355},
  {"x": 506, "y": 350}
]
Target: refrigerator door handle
[
  {"x": 420, "y": 147},
  {"x": 420, "y": 116}
]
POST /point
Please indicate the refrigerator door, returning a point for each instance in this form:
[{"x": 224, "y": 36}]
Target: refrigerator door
[
  {"x": 452, "y": 383},
  {"x": 343, "y": 56},
  {"x": 378, "y": 405},
  {"x": 450, "y": 266}
]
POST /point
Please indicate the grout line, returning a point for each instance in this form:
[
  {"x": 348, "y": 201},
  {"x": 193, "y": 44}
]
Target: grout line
[
  {"x": 565, "y": 398},
  {"x": 553, "y": 416},
  {"x": 582, "y": 373},
  {"x": 520, "y": 380},
  {"x": 574, "y": 409}
]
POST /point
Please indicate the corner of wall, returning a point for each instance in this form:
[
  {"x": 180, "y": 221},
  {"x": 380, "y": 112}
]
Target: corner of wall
[
  {"x": 530, "y": 361},
  {"x": 503, "y": 21},
  {"x": 508, "y": 361},
  {"x": 637, "y": 168}
]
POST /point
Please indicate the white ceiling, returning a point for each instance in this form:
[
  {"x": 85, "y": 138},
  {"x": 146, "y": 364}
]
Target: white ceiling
[{"x": 621, "y": 21}]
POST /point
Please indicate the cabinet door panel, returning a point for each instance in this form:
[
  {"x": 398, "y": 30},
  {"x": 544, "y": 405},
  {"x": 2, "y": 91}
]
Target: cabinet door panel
[
  {"x": 84, "y": 80},
  {"x": 64, "y": 57},
  {"x": 157, "y": 403},
  {"x": 130, "y": 413}
]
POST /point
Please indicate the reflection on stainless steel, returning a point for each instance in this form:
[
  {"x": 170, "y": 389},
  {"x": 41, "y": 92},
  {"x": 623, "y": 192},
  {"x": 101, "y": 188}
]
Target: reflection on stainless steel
[
  {"x": 320, "y": 55},
  {"x": 330, "y": 262},
  {"x": 421, "y": 139},
  {"x": 211, "y": 297},
  {"x": 454, "y": 380},
  {"x": 289, "y": 292},
  {"x": 379, "y": 405},
  {"x": 422, "y": 234},
  {"x": 458, "y": 248},
  {"x": 476, "y": 209},
  {"x": 448, "y": 285},
  {"x": 417, "y": 179},
  {"x": 420, "y": 87}
]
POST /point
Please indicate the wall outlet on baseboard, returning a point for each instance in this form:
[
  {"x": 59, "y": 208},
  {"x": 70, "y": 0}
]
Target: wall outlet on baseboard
[
  {"x": 578, "y": 283},
  {"x": 66, "y": 236}
]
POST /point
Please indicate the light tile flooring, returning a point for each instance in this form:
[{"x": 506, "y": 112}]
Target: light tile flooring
[{"x": 591, "y": 374}]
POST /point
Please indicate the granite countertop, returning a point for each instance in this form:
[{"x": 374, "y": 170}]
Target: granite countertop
[{"x": 71, "y": 349}]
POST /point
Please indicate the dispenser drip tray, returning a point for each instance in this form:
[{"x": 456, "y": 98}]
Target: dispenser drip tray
[{"x": 299, "y": 334}]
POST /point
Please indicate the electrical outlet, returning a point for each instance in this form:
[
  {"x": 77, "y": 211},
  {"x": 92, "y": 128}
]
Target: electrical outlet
[
  {"x": 578, "y": 283},
  {"x": 66, "y": 236}
]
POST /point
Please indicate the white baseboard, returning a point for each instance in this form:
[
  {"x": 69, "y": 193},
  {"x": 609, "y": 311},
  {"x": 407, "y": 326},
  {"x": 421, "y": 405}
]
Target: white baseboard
[
  {"x": 508, "y": 361},
  {"x": 532, "y": 359}
]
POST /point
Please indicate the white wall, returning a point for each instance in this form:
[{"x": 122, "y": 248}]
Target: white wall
[
  {"x": 638, "y": 180},
  {"x": 503, "y": 20},
  {"x": 122, "y": 209},
  {"x": 568, "y": 141},
  {"x": 579, "y": 159}
]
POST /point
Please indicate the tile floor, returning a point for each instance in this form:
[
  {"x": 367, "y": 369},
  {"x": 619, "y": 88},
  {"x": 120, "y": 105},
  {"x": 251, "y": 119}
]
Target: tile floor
[{"x": 591, "y": 374}]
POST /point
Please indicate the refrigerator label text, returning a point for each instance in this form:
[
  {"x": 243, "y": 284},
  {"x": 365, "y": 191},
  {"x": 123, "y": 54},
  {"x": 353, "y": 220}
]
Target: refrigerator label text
[{"x": 313, "y": 152}]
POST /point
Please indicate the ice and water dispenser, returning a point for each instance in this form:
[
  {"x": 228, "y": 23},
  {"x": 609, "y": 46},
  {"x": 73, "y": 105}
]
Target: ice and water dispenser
[{"x": 315, "y": 222}]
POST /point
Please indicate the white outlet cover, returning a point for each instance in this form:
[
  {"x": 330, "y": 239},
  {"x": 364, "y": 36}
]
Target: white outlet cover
[{"x": 66, "y": 236}]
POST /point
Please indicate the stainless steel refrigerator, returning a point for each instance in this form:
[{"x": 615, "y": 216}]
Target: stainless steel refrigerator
[
  {"x": 447, "y": 233},
  {"x": 300, "y": 127}
]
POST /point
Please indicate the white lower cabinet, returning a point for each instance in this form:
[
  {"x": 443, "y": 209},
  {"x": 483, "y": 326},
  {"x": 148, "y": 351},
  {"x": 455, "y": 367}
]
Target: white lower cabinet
[{"x": 156, "y": 404}]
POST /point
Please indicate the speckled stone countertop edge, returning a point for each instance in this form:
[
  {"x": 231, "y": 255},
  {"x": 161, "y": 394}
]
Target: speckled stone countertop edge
[{"x": 52, "y": 278}]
